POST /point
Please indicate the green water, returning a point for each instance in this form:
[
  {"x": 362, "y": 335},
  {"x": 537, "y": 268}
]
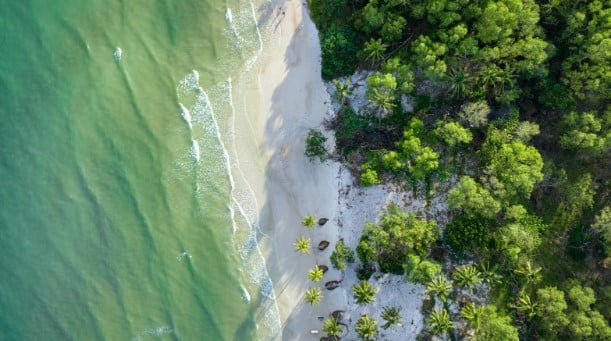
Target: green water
[{"x": 119, "y": 217}]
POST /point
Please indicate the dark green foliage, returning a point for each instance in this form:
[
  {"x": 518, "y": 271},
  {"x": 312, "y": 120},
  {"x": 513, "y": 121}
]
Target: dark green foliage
[
  {"x": 339, "y": 46},
  {"x": 341, "y": 255},
  {"x": 315, "y": 146},
  {"x": 397, "y": 234},
  {"x": 466, "y": 234},
  {"x": 350, "y": 130}
]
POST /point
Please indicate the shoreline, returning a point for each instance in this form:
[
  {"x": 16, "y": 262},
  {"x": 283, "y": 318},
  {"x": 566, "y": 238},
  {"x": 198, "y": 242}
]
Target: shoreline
[{"x": 293, "y": 99}]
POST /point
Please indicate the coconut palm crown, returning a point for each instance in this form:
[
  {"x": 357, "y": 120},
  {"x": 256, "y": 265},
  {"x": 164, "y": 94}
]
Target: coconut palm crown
[
  {"x": 302, "y": 245},
  {"x": 364, "y": 292}
]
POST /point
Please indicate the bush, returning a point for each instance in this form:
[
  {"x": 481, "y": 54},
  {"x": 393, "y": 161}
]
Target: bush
[
  {"x": 341, "y": 255},
  {"x": 421, "y": 270},
  {"x": 339, "y": 46},
  {"x": 467, "y": 234},
  {"x": 315, "y": 146}
]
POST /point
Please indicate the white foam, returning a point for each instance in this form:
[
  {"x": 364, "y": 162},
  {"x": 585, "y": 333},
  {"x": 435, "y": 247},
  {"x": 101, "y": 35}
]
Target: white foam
[
  {"x": 245, "y": 294},
  {"x": 186, "y": 115},
  {"x": 118, "y": 53},
  {"x": 228, "y": 15},
  {"x": 195, "y": 150}
]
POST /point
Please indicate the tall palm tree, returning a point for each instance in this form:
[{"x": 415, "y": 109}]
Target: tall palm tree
[
  {"x": 439, "y": 287},
  {"x": 440, "y": 322},
  {"x": 332, "y": 327},
  {"x": 383, "y": 99},
  {"x": 392, "y": 316},
  {"x": 366, "y": 327},
  {"x": 308, "y": 221},
  {"x": 302, "y": 245},
  {"x": 374, "y": 50},
  {"x": 458, "y": 82},
  {"x": 313, "y": 296},
  {"x": 315, "y": 274},
  {"x": 364, "y": 292},
  {"x": 473, "y": 315},
  {"x": 342, "y": 90},
  {"x": 526, "y": 306},
  {"x": 467, "y": 276}
]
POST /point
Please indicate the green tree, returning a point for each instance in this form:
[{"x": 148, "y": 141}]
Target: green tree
[
  {"x": 339, "y": 46},
  {"x": 602, "y": 227},
  {"x": 308, "y": 221},
  {"x": 495, "y": 327},
  {"x": 332, "y": 328},
  {"x": 313, "y": 296},
  {"x": 302, "y": 245},
  {"x": 428, "y": 54},
  {"x": 586, "y": 133},
  {"x": 517, "y": 241},
  {"x": 397, "y": 234},
  {"x": 475, "y": 113},
  {"x": 473, "y": 199},
  {"x": 421, "y": 270},
  {"x": 517, "y": 167},
  {"x": 439, "y": 322},
  {"x": 452, "y": 133},
  {"x": 369, "y": 176},
  {"x": 466, "y": 276},
  {"x": 552, "y": 312},
  {"x": 439, "y": 287},
  {"x": 315, "y": 146},
  {"x": 402, "y": 72},
  {"x": 341, "y": 255},
  {"x": 315, "y": 274},
  {"x": 366, "y": 327},
  {"x": 392, "y": 316},
  {"x": 364, "y": 292}
]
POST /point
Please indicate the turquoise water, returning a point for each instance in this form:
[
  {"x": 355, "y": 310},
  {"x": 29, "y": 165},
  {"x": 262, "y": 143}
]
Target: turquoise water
[{"x": 123, "y": 214}]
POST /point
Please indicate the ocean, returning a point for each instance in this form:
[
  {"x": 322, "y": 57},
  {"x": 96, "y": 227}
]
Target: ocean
[{"x": 125, "y": 213}]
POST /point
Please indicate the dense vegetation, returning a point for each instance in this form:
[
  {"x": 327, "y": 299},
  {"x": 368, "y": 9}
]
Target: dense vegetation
[{"x": 509, "y": 105}]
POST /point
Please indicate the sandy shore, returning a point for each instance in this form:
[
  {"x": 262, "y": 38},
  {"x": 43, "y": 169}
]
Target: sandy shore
[{"x": 296, "y": 99}]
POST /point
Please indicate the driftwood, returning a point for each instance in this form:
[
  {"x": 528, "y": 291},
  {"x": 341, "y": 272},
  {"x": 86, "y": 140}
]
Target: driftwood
[
  {"x": 332, "y": 285},
  {"x": 337, "y": 314},
  {"x": 323, "y": 245},
  {"x": 322, "y": 221},
  {"x": 324, "y": 268}
]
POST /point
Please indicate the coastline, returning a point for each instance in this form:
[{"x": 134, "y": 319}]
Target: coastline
[{"x": 294, "y": 98}]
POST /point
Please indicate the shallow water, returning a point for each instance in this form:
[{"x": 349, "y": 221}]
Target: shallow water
[{"x": 124, "y": 212}]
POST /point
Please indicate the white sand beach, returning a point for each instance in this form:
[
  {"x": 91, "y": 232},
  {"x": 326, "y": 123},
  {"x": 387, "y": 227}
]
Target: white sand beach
[{"x": 295, "y": 100}]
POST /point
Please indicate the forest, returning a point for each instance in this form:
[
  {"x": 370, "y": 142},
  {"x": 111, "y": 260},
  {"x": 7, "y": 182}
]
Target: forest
[{"x": 508, "y": 106}]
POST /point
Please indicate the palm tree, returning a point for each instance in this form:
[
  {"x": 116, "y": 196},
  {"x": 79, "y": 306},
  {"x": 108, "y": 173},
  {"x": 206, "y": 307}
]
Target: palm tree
[
  {"x": 439, "y": 287},
  {"x": 364, "y": 292},
  {"x": 440, "y": 321},
  {"x": 309, "y": 222},
  {"x": 374, "y": 50},
  {"x": 458, "y": 82},
  {"x": 530, "y": 274},
  {"x": 332, "y": 328},
  {"x": 473, "y": 315},
  {"x": 302, "y": 245},
  {"x": 342, "y": 90},
  {"x": 383, "y": 99},
  {"x": 392, "y": 316},
  {"x": 313, "y": 295},
  {"x": 526, "y": 306},
  {"x": 315, "y": 274},
  {"x": 366, "y": 327},
  {"x": 467, "y": 276},
  {"x": 489, "y": 274}
]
